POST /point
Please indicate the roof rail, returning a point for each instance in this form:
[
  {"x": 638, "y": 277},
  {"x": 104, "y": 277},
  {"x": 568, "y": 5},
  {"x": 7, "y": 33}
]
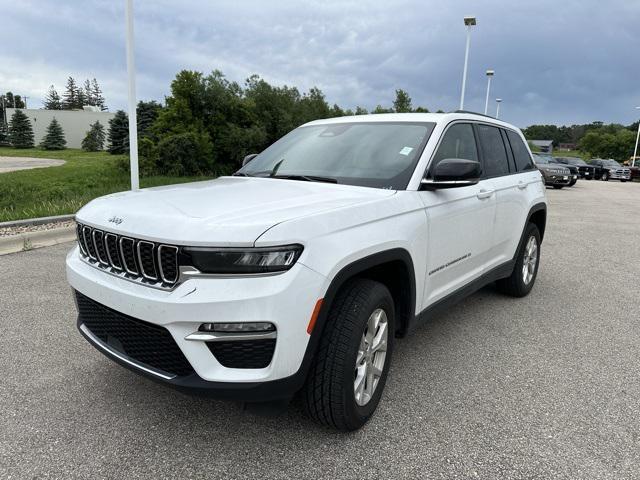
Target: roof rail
[{"x": 473, "y": 113}]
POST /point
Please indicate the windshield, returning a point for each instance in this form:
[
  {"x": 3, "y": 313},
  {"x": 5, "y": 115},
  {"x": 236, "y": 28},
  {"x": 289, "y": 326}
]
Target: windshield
[
  {"x": 574, "y": 161},
  {"x": 539, "y": 159},
  {"x": 611, "y": 163},
  {"x": 370, "y": 154}
]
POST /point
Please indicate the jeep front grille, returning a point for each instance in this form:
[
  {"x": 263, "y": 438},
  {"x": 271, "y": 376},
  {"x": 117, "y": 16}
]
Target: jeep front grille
[{"x": 148, "y": 262}]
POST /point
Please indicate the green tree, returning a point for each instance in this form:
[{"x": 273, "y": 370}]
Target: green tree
[
  {"x": 20, "y": 130},
  {"x": 189, "y": 153},
  {"x": 4, "y": 135},
  {"x": 118, "y": 133},
  {"x": 73, "y": 96},
  {"x": 361, "y": 111},
  {"x": 146, "y": 115},
  {"x": 96, "y": 95},
  {"x": 52, "y": 100},
  {"x": 13, "y": 101},
  {"x": 602, "y": 143},
  {"x": 95, "y": 138},
  {"x": 402, "y": 103},
  {"x": 54, "y": 138}
]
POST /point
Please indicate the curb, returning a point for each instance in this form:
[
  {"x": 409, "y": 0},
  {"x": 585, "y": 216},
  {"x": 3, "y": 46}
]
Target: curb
[
  {"x": 32, "y": 240},
  {"x": 37, "y": 221}
]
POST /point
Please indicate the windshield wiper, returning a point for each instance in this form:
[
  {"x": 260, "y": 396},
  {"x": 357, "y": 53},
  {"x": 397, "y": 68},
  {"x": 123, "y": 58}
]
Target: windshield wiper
[
  {"x": 306, "y": 178},
  {"x": 241, "y": 174}
]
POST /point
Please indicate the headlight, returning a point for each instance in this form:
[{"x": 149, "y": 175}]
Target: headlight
[{"x": 245, "y": 260}]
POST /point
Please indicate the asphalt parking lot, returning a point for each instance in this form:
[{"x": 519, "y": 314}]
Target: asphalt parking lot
[{"x": 541, "y": 387}]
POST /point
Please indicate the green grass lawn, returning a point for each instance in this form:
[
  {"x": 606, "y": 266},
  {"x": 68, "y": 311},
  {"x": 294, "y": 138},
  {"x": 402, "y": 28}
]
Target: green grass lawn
[{"x": 41, "y": 192}]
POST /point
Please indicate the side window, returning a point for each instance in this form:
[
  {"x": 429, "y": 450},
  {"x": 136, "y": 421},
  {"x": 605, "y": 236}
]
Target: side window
[
  {"x": 494, "y": 154},
  {"x": 520, "y": 152},
  {"x": 458, "y": 142}
]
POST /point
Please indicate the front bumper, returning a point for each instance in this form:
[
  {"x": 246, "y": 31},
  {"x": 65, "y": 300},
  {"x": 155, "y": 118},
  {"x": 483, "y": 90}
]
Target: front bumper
[
  {"x": 619, "y": 175},
  {"x": 558, "y": 179},
  {"x": 287, "y": 300}
]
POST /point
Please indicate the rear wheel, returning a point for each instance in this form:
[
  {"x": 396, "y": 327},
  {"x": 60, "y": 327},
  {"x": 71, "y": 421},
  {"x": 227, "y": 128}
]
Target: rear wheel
[
  {"x": 349, "y": 372},
  {"x": 525, "y": 271}
]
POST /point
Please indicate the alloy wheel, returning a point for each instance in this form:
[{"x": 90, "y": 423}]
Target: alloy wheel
[
  {"x": 371, "y": 357},
  {"x": 530, "y": 260}
]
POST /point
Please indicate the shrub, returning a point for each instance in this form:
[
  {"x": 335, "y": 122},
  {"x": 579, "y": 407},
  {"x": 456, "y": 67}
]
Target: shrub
[
  {"x": 147, "y": 158},
  {"x": 94, "y": 140},
  {"x": 20, "y": 130},
  {"x": 54, "y": 139},
  {"x": 189, "y": 153}
]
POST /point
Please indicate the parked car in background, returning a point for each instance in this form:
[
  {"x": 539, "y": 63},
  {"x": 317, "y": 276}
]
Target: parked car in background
[
  {"x": 554, "y": 174},
  {"x": 585, "y": 170},
  {"x": 609, "y": 169},
  {"x": 634, "y": 167},
  {"x": 573, "y": 170}
]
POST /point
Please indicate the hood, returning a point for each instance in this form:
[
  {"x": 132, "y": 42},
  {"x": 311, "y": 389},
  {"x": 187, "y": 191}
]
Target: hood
[{"x": 221, "y": 212}]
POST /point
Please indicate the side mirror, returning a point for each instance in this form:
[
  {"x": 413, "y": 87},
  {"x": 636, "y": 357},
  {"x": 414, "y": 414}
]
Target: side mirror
[
  {"x": 248, "y": 158},
  {"x": 453, "y": 173}
]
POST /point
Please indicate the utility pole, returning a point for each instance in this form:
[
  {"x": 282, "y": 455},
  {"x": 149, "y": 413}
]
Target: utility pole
[
  {"x": 469, "y": 22},
  {"x": 25, "y": 102}
]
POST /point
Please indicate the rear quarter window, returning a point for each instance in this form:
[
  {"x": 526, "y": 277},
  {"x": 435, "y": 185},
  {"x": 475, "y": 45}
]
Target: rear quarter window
[{"x": 520, "y": 153}]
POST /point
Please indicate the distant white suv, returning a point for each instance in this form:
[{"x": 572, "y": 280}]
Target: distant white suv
[{"x": 297, "y": 273}]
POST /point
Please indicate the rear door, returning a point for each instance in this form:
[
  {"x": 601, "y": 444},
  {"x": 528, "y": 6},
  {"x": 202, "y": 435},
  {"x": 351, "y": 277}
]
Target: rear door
[{"x": 460, "y": 221}]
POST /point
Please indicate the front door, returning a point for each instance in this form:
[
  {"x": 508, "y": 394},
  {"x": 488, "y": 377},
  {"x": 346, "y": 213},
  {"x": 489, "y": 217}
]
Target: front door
[{"x": 460, "y": 222}]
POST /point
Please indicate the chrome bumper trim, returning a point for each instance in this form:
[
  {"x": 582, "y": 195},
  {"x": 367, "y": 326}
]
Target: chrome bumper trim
[{"x": 229, "y": 337}]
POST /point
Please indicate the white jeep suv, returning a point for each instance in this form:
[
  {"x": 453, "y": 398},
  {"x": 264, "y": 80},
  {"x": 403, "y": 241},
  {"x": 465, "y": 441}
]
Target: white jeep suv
[{"x": 297, "y": 273}]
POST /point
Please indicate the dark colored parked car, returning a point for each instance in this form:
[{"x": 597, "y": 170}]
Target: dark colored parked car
[
  {"x": 635, "y": 169},
  {"x": 554, "y": 174},
  {"x": 572, "y": 169},
  {"x": 610, "y": 169},
  {"x": 585, "y": 170}
]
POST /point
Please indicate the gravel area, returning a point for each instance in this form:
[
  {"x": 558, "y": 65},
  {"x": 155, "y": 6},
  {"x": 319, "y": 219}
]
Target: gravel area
[
  {"x": 11, "y": 231},
  {"x": 496, "y": 388}
]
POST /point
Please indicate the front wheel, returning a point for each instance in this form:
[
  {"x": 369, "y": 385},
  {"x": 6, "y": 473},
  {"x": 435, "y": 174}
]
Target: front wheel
[
  {"x": 350, "y": 369},
  {"x": 558, "y": 187},
  {"x": 524, "y": 274},
  {"x": 605, "y": 177},
  {"x": 573, "y": 182}
]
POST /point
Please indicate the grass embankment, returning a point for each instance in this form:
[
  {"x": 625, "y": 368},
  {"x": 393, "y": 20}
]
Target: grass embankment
[{"x": 60, "y": 190}]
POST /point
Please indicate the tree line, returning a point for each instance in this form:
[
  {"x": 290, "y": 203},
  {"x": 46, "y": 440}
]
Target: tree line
[
  {"x": 75, "y": 96},
  {"x": 596, "y": 139}
]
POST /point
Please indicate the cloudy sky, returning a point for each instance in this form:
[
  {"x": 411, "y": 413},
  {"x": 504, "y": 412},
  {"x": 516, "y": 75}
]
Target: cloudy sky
[{"x": 562, "y": 62}]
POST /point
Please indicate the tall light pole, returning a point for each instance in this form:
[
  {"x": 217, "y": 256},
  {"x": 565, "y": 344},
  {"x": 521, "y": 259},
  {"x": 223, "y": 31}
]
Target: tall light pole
[
  {"x": 498, "y": 101},
  {"x": 131, "y": 72},
  {"x": 469, "y": 22},
  {"x": 486, "y": 101},
  {"x": 635, "y": 150}
]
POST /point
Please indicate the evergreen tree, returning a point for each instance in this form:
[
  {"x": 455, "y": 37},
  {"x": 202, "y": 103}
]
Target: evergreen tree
[
  {"x": 146, "y": 114},
  {"x": 96, "y": 95},
  {"x": 70, "y": 96},
  {"x": 94, "y": 140},
  {"x": 88, "y": 94},
  {"x": 13, "y": 101},
  {"x": 118, "y": 133},
  {"x": 4, "y": 135},
  {"x": 54, "y": 139},
  {"x": 20, "y": 130},
  {"x": 52, "y": 100}
]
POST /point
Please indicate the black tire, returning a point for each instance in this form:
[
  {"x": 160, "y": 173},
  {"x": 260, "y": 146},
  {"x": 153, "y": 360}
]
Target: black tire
[
  {"x": 514, "y": 285},
  {"x": 558, "y": 187},
  {"x": 573, "y": 182},
  {"x": 328, "y": 394},
  {"x": 605, "y": 177},
  {"x": 622, "y": 180}
]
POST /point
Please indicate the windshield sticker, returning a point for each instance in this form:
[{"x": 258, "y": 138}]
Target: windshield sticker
[{"x": 406, "y": 151}]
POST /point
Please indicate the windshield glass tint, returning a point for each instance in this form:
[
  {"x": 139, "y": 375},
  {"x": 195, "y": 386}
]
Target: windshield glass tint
[
  {"x": 370, "y": 154},
  {"x": 574, "y": 161},
  {"x": 611, "y": 163}
]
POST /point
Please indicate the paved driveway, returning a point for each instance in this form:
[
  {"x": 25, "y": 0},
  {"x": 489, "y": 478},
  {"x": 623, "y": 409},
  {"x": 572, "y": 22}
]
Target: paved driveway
[
  {"x": 10, "y": 164},
  {"x": 542, "y": 387}
]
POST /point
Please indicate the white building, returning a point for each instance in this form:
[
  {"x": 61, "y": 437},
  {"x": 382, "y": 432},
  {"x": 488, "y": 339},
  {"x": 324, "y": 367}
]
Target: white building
[{"x": 75, "y": 123}]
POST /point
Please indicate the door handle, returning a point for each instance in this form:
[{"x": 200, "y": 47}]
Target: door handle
[
  {"x": 484, "y": 193},
  {"x": 522, "y": 185}
]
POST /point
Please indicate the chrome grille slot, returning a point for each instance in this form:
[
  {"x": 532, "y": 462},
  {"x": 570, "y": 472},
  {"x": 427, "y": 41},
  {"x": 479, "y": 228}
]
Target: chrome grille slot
[
  {"x": 128, "y": 252},
  {"x": 136, "y": 260},
  {"x": 88, "y": 242},
  {"x": 168, "y": 263},
  {"x": 98, "y": 241},
  {"x": 145, "y": 260}
]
